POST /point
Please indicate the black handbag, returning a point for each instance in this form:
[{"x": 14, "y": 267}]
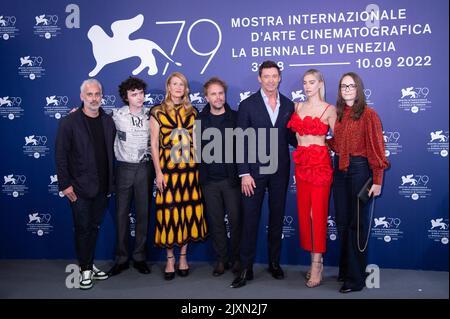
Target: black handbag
[
  {"x": 363, "y": 194},
  {"x": 363, "y": 198}
]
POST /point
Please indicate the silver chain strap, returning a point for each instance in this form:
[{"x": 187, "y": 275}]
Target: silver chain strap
[{"x": 370, "y": 225}]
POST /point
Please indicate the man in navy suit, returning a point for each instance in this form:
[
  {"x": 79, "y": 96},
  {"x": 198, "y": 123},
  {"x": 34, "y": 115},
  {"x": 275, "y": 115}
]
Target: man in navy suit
[{"x": 266, "y": 112}]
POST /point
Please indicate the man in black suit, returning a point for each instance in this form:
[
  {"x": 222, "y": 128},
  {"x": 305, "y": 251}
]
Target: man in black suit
[
  {"x": 219, "y": 179},
  {"x": 264, "y": 114},
  {"x": 84, "y": 164}
]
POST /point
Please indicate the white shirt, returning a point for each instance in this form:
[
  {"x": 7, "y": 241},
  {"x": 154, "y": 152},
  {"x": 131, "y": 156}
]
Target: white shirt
[
  {"x": 272, "y": 113},
  {"x": 132, "y": 142}
]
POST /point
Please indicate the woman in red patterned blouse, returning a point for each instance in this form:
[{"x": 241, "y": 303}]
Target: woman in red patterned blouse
[{"x": 359, "y": 147}]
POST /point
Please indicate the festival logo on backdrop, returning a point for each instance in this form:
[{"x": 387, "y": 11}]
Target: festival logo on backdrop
[
  {"x": 387, "y": 229},
  {"x": 414, "y": 186},
  {"x": 288, "y": 227},
  {"x": 414, "y": 99},
  {"x": 46, "y": 26},
  {"x": 56, "y": 106},
  {"x": 331, "y": 228},
  {"x": 31, "y": 67},
  {"x": 108, "y": 103},
  {"x": 35, "y": 146},
  {"x": 153, "y": 98},
  {"x": 438, "y": 230},
  {"x": 8, "y": 28},
  {"x": 107, "y": 50},
  {"x": 14, "y": 185},
  {"x": 11, "y": 107},
  {"x": 53, "y": 186},
  {"x": 438, "y": 143},
  {"x": 198, "y": 100},
  {"x": 391, "y": 143},
  {"x": 298, "y": 96},
  {"x": 39, "y": 224}
]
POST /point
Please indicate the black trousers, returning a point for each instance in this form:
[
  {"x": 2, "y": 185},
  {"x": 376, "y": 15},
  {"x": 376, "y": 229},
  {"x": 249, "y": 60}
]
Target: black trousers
[
  {"x": 276, "y": 185},
  {"x": 346, "y": 185},
  {"x": 223, "y": 199},
  {"x": 87, "y": 216},
  {"x": 133, "y": 181}
]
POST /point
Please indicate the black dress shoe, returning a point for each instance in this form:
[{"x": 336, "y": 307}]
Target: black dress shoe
[
  {"x": 346, "y": 289},
  {"x": 241, "y": 280},
  {"x": 117, "y": 269},
  {"x": 142, "y": 267},
  {"x": 219, "y": 269},
  {"x": 276, "y": 271}
]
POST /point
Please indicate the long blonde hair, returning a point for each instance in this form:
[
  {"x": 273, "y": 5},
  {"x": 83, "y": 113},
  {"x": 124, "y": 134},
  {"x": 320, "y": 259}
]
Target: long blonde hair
[
  {"x": 319, "y": 76},
  {"x": 168, "y": 104}
]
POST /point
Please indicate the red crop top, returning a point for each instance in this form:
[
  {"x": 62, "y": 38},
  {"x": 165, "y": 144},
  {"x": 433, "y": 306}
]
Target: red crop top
[{"x": 308, "y": 125}]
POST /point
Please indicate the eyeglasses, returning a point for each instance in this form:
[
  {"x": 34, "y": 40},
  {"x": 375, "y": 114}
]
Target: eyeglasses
[{"x": 350, "y": 87}]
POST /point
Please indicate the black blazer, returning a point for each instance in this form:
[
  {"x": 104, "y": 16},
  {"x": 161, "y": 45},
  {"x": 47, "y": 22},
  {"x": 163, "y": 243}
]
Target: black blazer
[
  {"x": 230, "y": 121},
  {"x": 75, "y": 156},
  {"x": 253, "y": 114}
]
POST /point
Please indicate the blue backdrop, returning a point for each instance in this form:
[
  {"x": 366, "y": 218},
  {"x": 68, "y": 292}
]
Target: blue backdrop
[{"x": 399, "y": 49}]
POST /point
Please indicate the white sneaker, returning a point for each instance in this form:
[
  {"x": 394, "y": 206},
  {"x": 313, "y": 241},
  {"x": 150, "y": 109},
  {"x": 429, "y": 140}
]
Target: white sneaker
[
  {"x": 98, "y": 274},
  {"x": 86, "y": 279}
]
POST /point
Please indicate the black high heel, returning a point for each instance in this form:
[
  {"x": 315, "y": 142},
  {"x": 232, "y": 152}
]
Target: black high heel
[
  {"x": 169, "y": 275},
  {"x": 183, "y": 272}
]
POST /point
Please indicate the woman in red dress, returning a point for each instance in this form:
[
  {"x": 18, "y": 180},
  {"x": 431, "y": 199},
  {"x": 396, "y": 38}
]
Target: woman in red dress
[{"x": 313, "y": 173}]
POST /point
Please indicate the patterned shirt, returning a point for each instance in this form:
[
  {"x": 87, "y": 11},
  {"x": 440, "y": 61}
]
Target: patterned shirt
[
  {"x": 363, "y": 137},
  {"x": 132, "y": 143}
]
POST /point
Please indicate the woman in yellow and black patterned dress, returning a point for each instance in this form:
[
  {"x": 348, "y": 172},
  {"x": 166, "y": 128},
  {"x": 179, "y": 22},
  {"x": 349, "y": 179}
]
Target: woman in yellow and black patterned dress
[{"x": 179, "y": 207}]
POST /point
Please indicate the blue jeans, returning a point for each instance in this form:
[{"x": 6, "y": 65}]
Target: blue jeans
[
  {"x": 87, "y": 216},
  {"x": 346, "y": 185}
]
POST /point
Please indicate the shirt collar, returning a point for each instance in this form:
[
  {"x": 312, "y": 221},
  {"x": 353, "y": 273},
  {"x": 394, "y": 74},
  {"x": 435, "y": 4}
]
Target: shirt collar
[
  {"x": 126, "y": 110},
  {"x": 266, "y": 98}
]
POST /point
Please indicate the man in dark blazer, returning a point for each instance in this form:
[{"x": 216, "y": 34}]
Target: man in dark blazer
[
  {"x": 266, "y": 113},
  {"x": 219, "y": 179},
  {"x": 84, "y": 164}
]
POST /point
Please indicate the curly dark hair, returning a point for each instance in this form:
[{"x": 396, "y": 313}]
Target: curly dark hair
[{"x": 130, "y": 84}]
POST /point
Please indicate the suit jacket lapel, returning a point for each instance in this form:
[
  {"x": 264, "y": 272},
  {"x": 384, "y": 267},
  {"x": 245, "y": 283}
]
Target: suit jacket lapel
[{"x": 281, "y": 112}]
